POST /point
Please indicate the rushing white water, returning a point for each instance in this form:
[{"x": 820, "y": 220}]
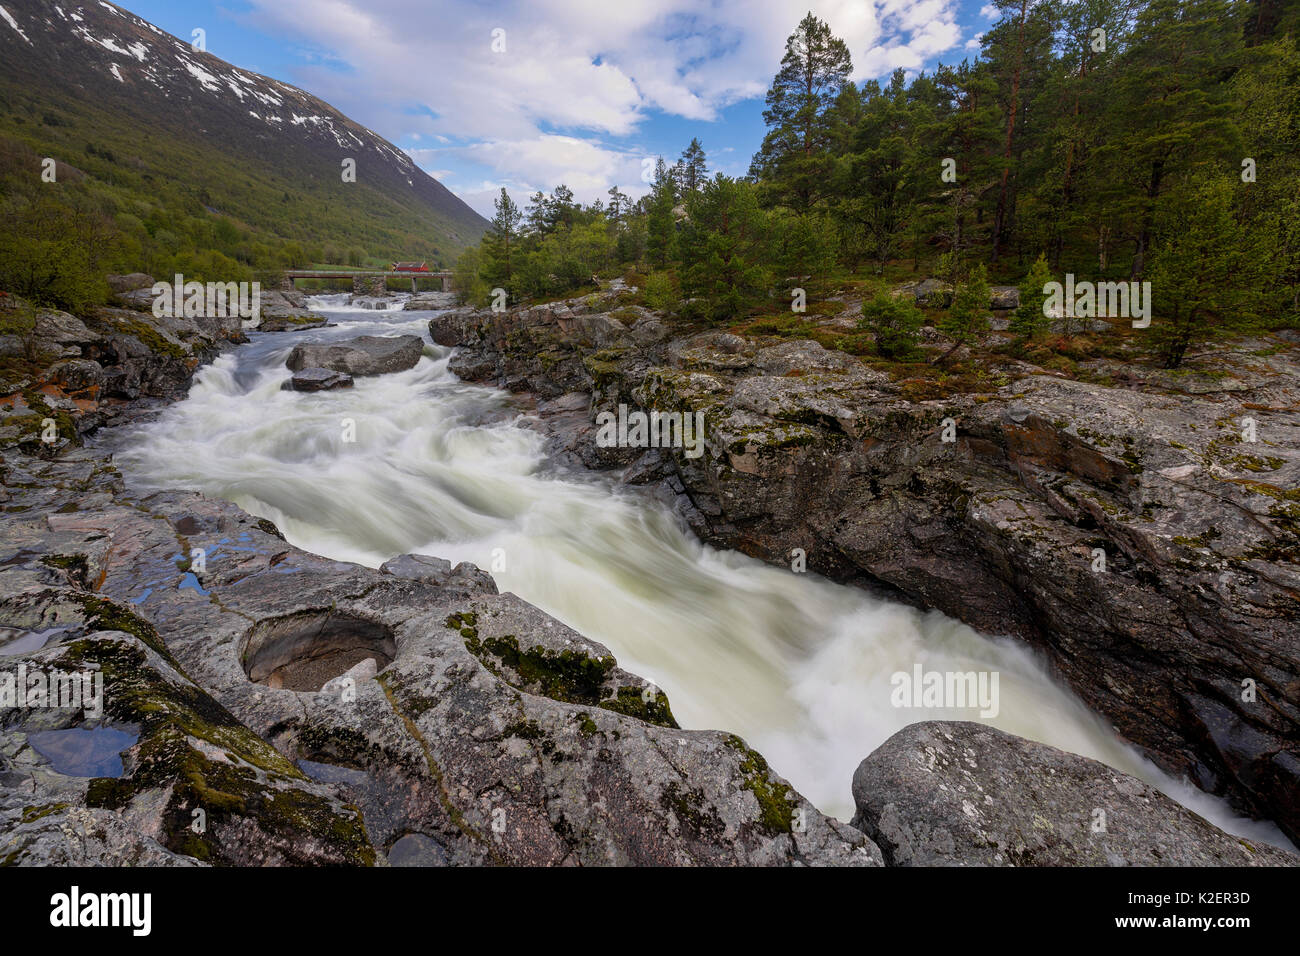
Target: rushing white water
[{"x": 798, "y": 666}]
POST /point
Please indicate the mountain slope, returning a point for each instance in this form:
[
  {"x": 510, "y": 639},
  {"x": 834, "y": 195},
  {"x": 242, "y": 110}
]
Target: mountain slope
[{"x": 113, "y": 96}]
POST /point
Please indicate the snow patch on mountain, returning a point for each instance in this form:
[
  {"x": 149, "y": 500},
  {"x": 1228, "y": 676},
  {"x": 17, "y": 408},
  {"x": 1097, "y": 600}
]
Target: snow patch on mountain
[
  {"x": 107, "y": 45},
  {"x": 13, "y": 23},
  {"x": 206, "y": 79}
]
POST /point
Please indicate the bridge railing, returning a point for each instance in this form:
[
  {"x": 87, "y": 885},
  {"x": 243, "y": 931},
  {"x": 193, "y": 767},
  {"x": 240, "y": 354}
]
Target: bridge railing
[{"x": 286, "y": 280}]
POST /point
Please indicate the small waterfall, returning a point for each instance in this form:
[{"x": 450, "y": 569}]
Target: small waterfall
[{"x": 352, "y": 302}]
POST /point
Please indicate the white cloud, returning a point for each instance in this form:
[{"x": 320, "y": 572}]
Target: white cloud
[
  {"x": 526, "y": 166},
  {"x": 989, "y": 12},
  {"x": 584, "y": 64},
  {"x": 575, "y": 73}
]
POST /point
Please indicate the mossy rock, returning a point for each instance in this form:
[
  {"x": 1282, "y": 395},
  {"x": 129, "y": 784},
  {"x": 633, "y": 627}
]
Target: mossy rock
[
  {"x": 775, "y": 806},
  {"x": 569, "y": 676},
  {"x": 153, "y": 339},
  {"x": 249, "y": 783},
  {"x": 632, "y": 702}
]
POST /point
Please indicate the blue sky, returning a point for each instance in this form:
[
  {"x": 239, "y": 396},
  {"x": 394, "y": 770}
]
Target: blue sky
[{"x": 531, "y": 93}]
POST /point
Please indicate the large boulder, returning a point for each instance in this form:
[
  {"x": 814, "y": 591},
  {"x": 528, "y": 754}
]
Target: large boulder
[
  {"x": 430, "y": 301},
  {"x": 365, "y": 355},
  {"x": 945, "y": 793},
  {"x": 76, "y": 375},
  {"x": 130, "y": 282},
  {"x": 60, "y": 328},
  {"x": 1004, "y": 297},
  {"x": 934, "y": 293},
  {"x": 285, "y": 311}
]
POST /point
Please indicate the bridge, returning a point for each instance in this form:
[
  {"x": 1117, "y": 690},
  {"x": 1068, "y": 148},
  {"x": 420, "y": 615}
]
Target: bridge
[{"x": 363, "y": 283}]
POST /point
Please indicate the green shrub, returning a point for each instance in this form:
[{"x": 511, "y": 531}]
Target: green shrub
[
  {"x": 1028, "y": 321},
  {"x": 659, "y": 291},
  {"x": 893, "y": 323},
  {"x": 968, "y": 316}
]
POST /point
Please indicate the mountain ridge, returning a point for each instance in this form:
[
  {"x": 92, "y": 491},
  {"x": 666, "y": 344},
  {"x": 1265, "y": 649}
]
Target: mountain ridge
[{"x": 127, "y": 81}]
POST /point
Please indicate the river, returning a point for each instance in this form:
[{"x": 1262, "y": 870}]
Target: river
[{"x": 797, "y": 665}]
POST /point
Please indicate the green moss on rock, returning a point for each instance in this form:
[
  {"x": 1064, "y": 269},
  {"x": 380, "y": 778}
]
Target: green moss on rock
[
  {"x": 569, "y": 676},
  {"x": 631, "y": 701},
  {"x": 152, "y": 339},
  {"x": 775, "y": 808}
]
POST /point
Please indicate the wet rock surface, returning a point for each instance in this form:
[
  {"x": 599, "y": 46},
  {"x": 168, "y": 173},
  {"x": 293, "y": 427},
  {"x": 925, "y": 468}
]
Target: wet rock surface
[
  {"x": 318, "y": 380},
  {"x": 1134, "y": 534},
  {"x": 964, "y": 794},
  {"x": 282, "y": 311}
]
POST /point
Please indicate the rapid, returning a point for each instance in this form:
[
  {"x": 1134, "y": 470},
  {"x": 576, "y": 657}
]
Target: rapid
[{"x": 797, "y": 665}]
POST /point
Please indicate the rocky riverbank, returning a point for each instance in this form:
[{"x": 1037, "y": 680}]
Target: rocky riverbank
[
  {"x": 490, "y": 734},
  {"x": 1137, "y": 535},
  {"x": 263, "y": 705}
]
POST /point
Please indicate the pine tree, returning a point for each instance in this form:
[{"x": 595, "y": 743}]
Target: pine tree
[
  {"x": 803, "y": 247},
  {"x": 962, "y": 127},
  {"x": 894, "y": 323},
  {"x": 1207, "y": 274},
  {"x": 665, "y": 178},
  {"x": 795, "y": 156},
  {"x": 679, "y": 177},
  {"x": 1028, "y": 321},
  {"x": 1069, "y": 134},
  {"x": 723, "y": 246},
  {"x": 535, "y": 214},
  {"x": 1028, "y": 39},
  {"x": 694, "y": 170},
  {"x": 1270, "y": 122},
  {"x": 619, "y": 206},
  {"x": 661, "y": 224},
  {"x": 877, "y": 184},
  {"x": 1170, "y": 110},
  {"x": 561, "y": 208},
  {"x": 499, "y": 243},
  {"x": 968, "y": 316}
]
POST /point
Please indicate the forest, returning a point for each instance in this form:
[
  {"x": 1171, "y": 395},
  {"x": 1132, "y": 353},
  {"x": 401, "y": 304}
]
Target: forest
[{"x": 1094, "y": 140}]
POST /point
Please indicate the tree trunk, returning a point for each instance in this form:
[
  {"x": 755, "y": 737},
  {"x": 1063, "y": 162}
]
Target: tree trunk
[
  {"x": 1144, "y": 237},
  {"x": 1014, "y": 107}
]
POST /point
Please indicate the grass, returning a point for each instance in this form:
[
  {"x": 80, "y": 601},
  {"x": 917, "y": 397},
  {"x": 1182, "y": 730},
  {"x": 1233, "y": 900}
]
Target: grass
[{"x": 169, "y": 198}]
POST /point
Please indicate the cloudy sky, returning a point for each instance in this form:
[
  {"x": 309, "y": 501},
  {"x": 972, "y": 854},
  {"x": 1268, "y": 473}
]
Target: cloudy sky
[{"x": 532, "y": 93}]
